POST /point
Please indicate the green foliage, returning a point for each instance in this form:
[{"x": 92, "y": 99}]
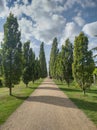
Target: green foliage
[
  {"x": 67, "y": 60},
  {"x": 62, "y": 67},
  {"x": 58, "y": 67},
  {"x": 95, "y": 71},
  {"x": 32, "y": 64},
  {"x": 27, "y": 57},
  {"x": 26, "y": 75},
  {"x": 53, "y": 56},
  {"x": 43, "y": 67},
  {"x": 37, "y": 72},
  {"x": 1, "y": 69},
  {"x": 11, "y": 52},
  {"x": 83, "y": 64},
  {"x": 1, "y": 83}
]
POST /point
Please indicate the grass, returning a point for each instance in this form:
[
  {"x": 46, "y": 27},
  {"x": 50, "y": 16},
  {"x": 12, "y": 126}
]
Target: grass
[
  {"x": 87, "y": 103},
  {"x": 8, "y": 104}
]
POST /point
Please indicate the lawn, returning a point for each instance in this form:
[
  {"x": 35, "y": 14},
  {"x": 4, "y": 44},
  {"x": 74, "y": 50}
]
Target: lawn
[
  {"x": 87, "y": 103},
  {"x": 8, "y": 104}
]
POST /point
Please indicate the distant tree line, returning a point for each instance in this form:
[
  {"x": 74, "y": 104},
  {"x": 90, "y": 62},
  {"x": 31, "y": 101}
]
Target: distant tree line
[
  {"x": 72, "y": 62},
  {"x": 17, "y": 60}
]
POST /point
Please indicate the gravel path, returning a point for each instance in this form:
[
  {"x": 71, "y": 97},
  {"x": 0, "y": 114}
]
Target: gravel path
[{"x": 48, "y": 109}]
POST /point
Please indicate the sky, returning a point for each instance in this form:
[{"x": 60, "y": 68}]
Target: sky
[{"x": 42, "y": 20}]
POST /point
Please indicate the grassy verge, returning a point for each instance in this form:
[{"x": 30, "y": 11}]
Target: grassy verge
[
  {"x": 87, "y": 103},
  {"x": 8, "y": 104}
]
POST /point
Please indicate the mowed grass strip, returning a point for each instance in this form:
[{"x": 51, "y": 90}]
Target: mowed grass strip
[
  {"x": 87, "y": 103},
  {"x": 8, "y": 104}
]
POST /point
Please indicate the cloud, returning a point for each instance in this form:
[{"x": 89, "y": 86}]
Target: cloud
[
  {"x": 71, "y": 30},
  {"x": 46, "y": 18},
  {"x": 79, "y": 20},
  {"x": 1, "y": 36},
  {"x": 25, "y": 27},
  {"x": 34, "y": 46},
  {"x": 46, "y": 15},
  {"x": 90, "y": 29},
  {"x": 87, "y": 3},
  {"x": 49, "y": 27},
  {"x": 4, "y": 10},
  {"x": 1, "y": 5},
  {"x": 84, "y": 4},
  {"x": 92, "y": 42},
  {"x": 47, "y": 22}
]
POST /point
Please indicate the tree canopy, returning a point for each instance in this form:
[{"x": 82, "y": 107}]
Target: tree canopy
[
  {"x": 53, "y": 56},
  {"x": 42, "y": 60},
  {"x": 83, "y": 64},
  {"x": 11, "y": 49}
]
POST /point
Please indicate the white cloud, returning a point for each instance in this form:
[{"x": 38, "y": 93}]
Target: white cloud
[
  {"x": 1, "y": 36},
  {"x": 47, "y": 23},
  {"x": 25, "y": 1},
  {"x": 34, "y": 46},
  {"x": 85, "y": 3},
  {"x": 49, "y": 27},
  {"x": 1, "y": 6},
  {"x": 48, "y": 19},
  {"x": 26, "y": 29},
  {"x": 4, "y": 10},
  {"x": 92, "y": 42},
  {"x": 79, "y": 20},
  {"x": 71, "y": 30},
  {"x": 90, "y": 29}
]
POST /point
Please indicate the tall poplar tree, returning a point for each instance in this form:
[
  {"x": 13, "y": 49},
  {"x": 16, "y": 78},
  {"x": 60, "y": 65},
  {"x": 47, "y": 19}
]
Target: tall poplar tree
[
  {"x": 83, "y": 64},
  {"x": 53, "y": 55},
  {"x": 58, "y": 67},
  {"x": 42, "y": 60},
  {"x": 12, "y": 52},
  {"x": 67, "y": 60},
  {"x": 26, "y": 71},
  {"x": 32, "y": 64},
  {"x": 37, "y": 72}
]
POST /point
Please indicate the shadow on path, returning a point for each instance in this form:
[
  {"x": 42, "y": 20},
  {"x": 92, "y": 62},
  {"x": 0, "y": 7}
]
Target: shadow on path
[
  {"x": 58, "y": 89},
  {"x": 58, "y": 101},
  {"x": 64, "y": 102}
]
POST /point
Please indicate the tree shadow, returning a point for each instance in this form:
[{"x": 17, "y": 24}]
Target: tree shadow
[
  {"x": 59, "y": 83},
  {"x": 53, "y": 100},
  {"x": 45, "y": 88},
  {"x": 20, "y": 97},
  {"x": 70, "y": 89},
  {"x": 32, "y": 87},
  {"x": 64, "y": 102},
  {"x": 95, "y": 97},
  {"x": 48, "y": 83},
  {"x": 92, "y": 91},
  {"x": 85, "y": 105},
  {"x": 58, "y": 89},
  {"x": 49, "y": 88},
  {"x": 60, "y": 101}
]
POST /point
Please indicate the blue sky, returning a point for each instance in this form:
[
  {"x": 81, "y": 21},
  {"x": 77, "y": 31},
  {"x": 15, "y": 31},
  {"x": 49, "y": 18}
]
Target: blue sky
[{"x": 42, "y": 20}]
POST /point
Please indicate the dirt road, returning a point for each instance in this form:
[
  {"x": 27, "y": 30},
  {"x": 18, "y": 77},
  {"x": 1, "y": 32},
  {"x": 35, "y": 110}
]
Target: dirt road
[{"x": 48, "y": 109}]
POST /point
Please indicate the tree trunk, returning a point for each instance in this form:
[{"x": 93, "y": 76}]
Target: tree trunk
[
  {"x": 68, "y": 84},
  {"x": 26, "y": 85},
  {"x": 10, "y": 90},
  {"x": 84, "y": 90},
  {"x": 33, "y": 81}
]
